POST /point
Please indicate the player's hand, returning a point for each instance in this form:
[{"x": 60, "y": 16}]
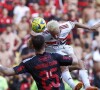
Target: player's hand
[
  {"x": 68, "y": 50},
  {"x": 95, "y": 27}
]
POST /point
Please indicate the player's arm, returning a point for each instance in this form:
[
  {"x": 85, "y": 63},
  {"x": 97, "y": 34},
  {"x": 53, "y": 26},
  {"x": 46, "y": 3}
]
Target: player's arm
[
  {"x": 7, "y": 71},
  {"x": 20, "y": 68},
  {"x": 84, "y": 26},
  {"x": 96, "y": 26},
  {"x": 13, "y": 71},
  {"x": 79, "y": 25},
  {"x": 45, "y": 34},
  {"x": 34, "y": 33}
]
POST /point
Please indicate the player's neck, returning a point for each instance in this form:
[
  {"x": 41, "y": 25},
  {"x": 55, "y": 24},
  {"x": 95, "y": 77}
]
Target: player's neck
[{"x": 40, "y": 51}]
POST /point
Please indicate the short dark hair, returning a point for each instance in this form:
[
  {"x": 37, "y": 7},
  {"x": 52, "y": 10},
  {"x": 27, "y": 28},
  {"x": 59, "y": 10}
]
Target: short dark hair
[{"x": 38, "y": 42}]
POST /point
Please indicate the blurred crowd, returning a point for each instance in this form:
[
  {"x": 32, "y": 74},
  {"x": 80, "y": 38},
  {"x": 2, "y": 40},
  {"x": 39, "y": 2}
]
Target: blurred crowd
[{"x": 15, "y": 19}]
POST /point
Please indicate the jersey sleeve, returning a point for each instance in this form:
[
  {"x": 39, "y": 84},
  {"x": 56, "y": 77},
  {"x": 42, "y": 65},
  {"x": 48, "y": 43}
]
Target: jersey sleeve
[
  {"x": 72, "y": 24},
  {"x": 64, "y": 60},
  {"x": 20, "y": 68}
]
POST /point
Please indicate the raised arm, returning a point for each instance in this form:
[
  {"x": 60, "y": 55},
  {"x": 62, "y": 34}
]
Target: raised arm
[
  {"x": 34, "y": 33},
  {"x": 7, "y": 71},
  {"x": 86, "y": 27},
  {"x": 79, "y": 25},
  {"x": 96, "y": 26}
]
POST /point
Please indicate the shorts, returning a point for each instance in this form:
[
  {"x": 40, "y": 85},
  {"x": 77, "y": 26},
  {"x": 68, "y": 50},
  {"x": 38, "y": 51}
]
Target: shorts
[{"x": 57, "y": 49}]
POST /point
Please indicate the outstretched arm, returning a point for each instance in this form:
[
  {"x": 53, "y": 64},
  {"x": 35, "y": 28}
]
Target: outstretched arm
[
  {"x": 96, "y": 26},
  {"x": 34, "y": 33},
  {"x": 79, "y": 25},
  {"x": 12, "y": 71},
  {"x": 92, "y": 28},
  {"x": 6, "y": 71}
]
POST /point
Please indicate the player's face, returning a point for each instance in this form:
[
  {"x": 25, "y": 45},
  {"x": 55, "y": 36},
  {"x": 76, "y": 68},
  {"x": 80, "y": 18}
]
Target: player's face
[{"x": 55, "y": 33}]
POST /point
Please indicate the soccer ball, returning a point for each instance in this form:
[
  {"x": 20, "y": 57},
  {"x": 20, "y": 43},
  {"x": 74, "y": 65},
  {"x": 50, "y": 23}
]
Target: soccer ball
[{"x": 38, "y": 24}]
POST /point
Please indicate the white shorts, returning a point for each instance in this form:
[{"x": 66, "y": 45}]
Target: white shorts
[{"x": 57, "y": 49}]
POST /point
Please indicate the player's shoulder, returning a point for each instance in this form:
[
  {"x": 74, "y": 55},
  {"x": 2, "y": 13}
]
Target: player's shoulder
[
  {"x": 29, "y": 59},
  {"x": 64, "y": 23},
  {"x": 55, "y": 55},
  {"x": 49, "y": 53},
  {"x": 67, "y": 24}
]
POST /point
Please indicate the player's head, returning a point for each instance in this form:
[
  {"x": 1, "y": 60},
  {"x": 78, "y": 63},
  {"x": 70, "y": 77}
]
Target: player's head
[
  {"x": 38, "y": 42},
  {"x": 53, "y": 28}
]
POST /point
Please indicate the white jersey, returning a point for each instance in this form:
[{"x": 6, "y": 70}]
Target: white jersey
[{"x": 55, "y": 45}]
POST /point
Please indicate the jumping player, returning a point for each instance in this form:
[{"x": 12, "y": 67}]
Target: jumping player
[
  {"x": 55, "y": 37},
  {"x": 44, "y": 67}
]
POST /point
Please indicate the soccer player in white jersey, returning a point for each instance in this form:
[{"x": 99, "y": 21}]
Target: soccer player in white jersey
[{"x": 55, "y": 36}]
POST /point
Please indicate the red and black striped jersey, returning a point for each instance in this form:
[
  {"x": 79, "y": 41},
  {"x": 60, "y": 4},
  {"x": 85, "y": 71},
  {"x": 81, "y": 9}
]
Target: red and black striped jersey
[{"x": 45, "y": 69}]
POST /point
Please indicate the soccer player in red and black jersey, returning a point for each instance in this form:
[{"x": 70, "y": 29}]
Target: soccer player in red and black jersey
[{"x": 44, "y": 67}]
